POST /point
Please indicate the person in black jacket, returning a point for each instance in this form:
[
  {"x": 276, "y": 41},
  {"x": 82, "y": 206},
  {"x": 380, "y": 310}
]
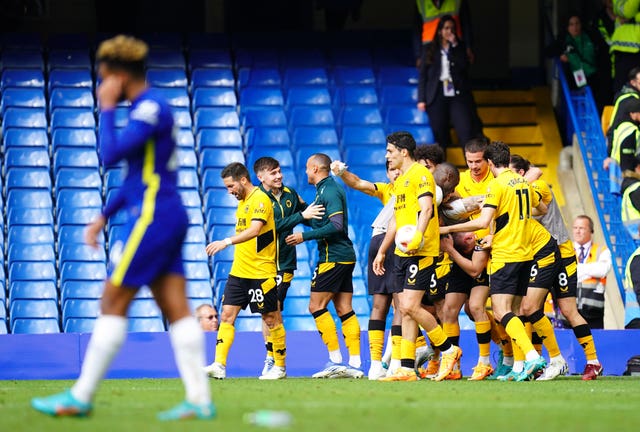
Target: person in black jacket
[{"x": 444, "y": 88}]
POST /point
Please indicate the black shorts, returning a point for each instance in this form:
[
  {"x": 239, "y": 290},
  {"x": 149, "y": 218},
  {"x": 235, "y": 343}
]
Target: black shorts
[
  {"x": 509, "y": 278},
  {"x": 384, "y": 284},
  {"x": 333, "y": 278},
  {"x": 283, "y": 282},
  {"x": 460, "y": 281},
  {"x": 260, "y": 294},
  {"x": 415, "y": 272},
  {"x": 437, "y": 289},
  {"x": 566, "y": 284},
  {"x": 546, "y": 266}
]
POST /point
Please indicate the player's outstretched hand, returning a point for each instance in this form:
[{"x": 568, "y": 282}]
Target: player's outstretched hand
[
  {"x": 294, "y": 239},
  {"x": 215, "y": 247},
  {"x": 92, "y": 231},
  {"x": 313, "y": 211},
  {"x": 337, "y": 167}
]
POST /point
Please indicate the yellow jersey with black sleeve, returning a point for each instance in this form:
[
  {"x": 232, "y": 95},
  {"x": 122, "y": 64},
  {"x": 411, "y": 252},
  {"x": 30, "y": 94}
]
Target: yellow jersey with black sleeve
[
  {"x": 510, "y": 195},
  {"x": 413, "y": 184},
  {"x": 255, "y": 258},
  {"x": 384, "y": 192}
]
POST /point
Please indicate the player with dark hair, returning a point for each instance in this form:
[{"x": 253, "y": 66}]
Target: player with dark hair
[
  {"x": 332, "y": 278},
  {"x": 430, "y": 155},
  {"x": 289, "y": 209},
  {"x": 149, "y": 250},
  {"x": 252, "y": 278}
]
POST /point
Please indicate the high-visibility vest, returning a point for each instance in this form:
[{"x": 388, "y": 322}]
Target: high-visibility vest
[
  {"x": 630, "y": 214},
  {"x": 591, "y": 291},
  {"x": 431, "y": 17},
  {"x": 621, "y": 133},
  {"x": 626, "y": 38},
  {"x": 625, "y": 8},
  {"x": 620, "y": 98},
  {"x": 628, "y": 282}
]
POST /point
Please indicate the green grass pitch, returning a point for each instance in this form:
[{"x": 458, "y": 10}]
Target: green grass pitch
[{"x": 566, "y": 404}]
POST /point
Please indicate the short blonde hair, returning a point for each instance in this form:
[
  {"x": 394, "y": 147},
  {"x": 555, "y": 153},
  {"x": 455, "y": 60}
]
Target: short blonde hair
[{"x": 123, "y": 52}]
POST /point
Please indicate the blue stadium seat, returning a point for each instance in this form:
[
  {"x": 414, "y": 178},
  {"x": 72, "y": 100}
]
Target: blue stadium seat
[
  {"x": 405, "y": 115},
  {"x": 182, "y": 118},
  {"x": 206, "y": 40},
  {"x": 373, "y": 174},
  {"x": 354, "y": 96},
  {"x": 30, "y": 252},
  {"x": 263, "y": 117},
  {"x": 215, "y": 118},
  {"x": 74, "y": 138},
  {"x": 29, "y": 198},
  {"x": 77, "y": 216},
  {"x": 79, "y": 325},
  {"x": 397, "y": 75},
  {"x": 26, "y": 157},
  {"x": 78, "y": 198},
  {"x": 281, "y": 154},
  {"x": 3, "y": 326},
  {"x": 175, "y": 96},
  {"x": 308, "y": 96},
  {"x": 74, "y": 178},
  {"x": 222, "y": 217},
  {"x": 186, "y": 158},
  {"x": 268, "y": 136},
  {"x": 195, "y": 234},
  {"x": 303, "y": 153},
  {"x": 194, "y": 252},
  {"x": 259, "y": 77},
  {"x": 211, "y": 180},
  {"x": 219, "y": 77},
  {"x": 199, "y": 289},
  {"x": 29, "y": 290},
  {"x": 159, "y": 58},
  {"x": 190, "y": 198},
  {"x": 188, "y": 179},
  {"x": 154, "y": 324},
  {"x": 296, "y": 306},
  {"x": 22, "y": 59},
  {"x": 248, "y": 324},
  {"x": 261, "y": 96},
  {"x": 398, "y": 95},
  {"x": 422, "y": 134},
  {"x": 361, "y": 305},
  {"x": 300, "y": 287},
  {"x": 352, "y": 58},
  {"x": 70, "y": 78},
  {"x": 218, "y": 137},
  {"x": 310, "y": 116},
  {"x": 219, "y": 158},
  {"x": 22, "y": 98},
  {"x": 143, "y": 293},
  {"x": 80, "y": 290},
  {"x": 359, "y": 288},
  {"x": 83, "y": 271},
  {"x": 23, "y": 118},
  {"x": 144, "y": 308},
  {"x": 299, "y": 323},
  {"x": 75, "y": 234},
  {"x": 33, "y": 309},
  {"x": 163, "y": 41},
  {"x": 72, "y": 118},
  {"x": 71, "y": 98},
  {"x": 305, "y": 77},
  {"x": 209, "y": 58},
  {"x": 184, "y": 139},
  {"x": 197, "y": 270},
  {"x": 361, "y": 135},
  {"x": 30, "y": 234},
  {"x": 314, "y": 137},
  {"x": 221, "y": 270},
  {"x": 360, "y": 116},
  {"x": 58, "y": 41},
  {"x": 69, "y": 59},
  {"x": 81, "y": 253},
  {"x": 75, "y": 158},
  {"x": 22, "y": 40},
  {"x": 216, "y": 198},
  {"x": 195, "y": 216},
  {"x": 214, "y": 96},
  {"x": 26, "y": 138},
  {"x": 35, "y": 326},
  {"x": 21, "y": 78},
  {"x": 80, "y": 308},
  {"x": 257, "y": 58},
  {"x": 28, "y": 178},
  {"x": 365, "y": 155},
  {"x": 167, "y": 77},
  {"x": 353, "y": 76}
]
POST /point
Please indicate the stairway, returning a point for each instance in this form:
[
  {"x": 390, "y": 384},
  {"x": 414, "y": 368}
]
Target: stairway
[{"x": 525, "y": 120}]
